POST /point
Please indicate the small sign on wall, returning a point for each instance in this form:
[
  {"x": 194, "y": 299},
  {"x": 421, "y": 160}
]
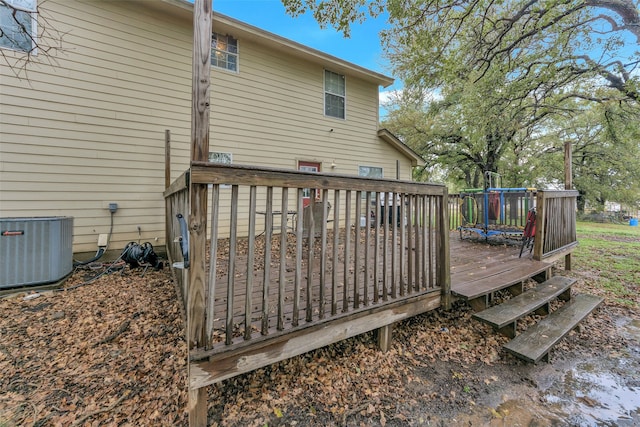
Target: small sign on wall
[{"x": 223, "y": 158}]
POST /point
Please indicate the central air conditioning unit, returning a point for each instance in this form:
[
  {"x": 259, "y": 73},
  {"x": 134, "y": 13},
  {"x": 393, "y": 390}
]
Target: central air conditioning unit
[{"x": 35, "y": 250}]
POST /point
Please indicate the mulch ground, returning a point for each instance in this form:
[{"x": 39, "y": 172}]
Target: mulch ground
[{"x": 112, "y": 353}]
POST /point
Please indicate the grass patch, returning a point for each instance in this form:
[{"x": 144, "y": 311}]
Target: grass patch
[
  {"x": 609, "y": 259},
  {"x": 599, "y": 229}
]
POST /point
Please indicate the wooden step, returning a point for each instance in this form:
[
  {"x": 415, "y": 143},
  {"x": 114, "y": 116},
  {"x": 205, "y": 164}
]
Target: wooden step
[
  {"x": 504, "y": 317},
  {"x": 535, "y": 343}
]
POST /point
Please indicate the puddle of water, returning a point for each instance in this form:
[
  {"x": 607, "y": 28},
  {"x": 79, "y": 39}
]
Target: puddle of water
[
  {"x": 603, "y": 397},
  {"x": 594, "y": 394},
  {"x": 632, "y": 329},
  {"x": 600, "y": 392}
]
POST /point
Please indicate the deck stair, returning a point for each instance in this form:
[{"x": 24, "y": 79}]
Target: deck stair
[
  {"x": 537, "y": 341},
  {"x": 504, "y": 317}
]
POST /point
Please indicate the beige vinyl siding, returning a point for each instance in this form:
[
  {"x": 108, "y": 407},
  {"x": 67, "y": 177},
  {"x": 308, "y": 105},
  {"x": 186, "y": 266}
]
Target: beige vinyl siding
[
  {"x": 87, "y": 128},
  {"x": 283, "y": 98}
]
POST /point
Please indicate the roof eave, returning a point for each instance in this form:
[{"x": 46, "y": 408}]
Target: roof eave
[
  {"x": 390, "y": 138},
  {"x": 223, "y": 22}
]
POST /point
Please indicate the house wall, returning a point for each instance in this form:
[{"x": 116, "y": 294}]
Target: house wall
[{"x": 86, "y": 126}]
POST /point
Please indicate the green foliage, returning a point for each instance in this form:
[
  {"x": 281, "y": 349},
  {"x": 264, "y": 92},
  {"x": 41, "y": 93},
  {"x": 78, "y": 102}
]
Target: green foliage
[
  {"x": 337, "y": 13},
  {"x": 501, "y": 86},
  {"x": 606, "y": 153}
]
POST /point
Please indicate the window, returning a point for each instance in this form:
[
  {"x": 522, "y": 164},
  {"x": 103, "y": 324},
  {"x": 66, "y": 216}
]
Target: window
[
  {"x": 224, "y": 52},
  {"x": 334, "y": 94},
  {"x": 218, "y": 157},
  {"x": 17, "y": 29},
  {"x": 370, "y": 172}
]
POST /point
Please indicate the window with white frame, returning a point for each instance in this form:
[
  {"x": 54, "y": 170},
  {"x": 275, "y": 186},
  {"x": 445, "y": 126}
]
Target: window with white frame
[
  {"x": 220, "y": 157},
  {"x": 224, "y": 52},
  {"x": 18, "y": 24},
  {"x": 334, "y": 94}
]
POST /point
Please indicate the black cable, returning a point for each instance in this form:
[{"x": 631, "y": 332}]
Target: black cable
[
  {"x": 93, "y": 279},
  {"x": 134, "y": 255},
  {"x": 101, "y": 250},
  {"x": 97, "y": 256},
  {"x": 110, "y": 230}
]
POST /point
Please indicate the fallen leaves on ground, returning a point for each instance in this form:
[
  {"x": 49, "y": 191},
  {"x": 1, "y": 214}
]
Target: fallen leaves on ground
[
  {"x": 108, "y": 353},
  {"x": 112, "y": 353}
]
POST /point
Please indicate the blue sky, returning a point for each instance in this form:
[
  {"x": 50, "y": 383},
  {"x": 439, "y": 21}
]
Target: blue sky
[{"x": 362, "y": 48}]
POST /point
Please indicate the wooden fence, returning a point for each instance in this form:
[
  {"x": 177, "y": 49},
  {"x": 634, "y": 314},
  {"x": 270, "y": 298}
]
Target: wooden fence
[
  {"x": 300, "y": 260},
  {"x": 455, "y": 214}
]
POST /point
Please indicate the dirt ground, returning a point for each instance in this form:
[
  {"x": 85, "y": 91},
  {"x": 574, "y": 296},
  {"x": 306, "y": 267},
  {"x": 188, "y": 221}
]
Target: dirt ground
[{"x": 112, "y": 353}]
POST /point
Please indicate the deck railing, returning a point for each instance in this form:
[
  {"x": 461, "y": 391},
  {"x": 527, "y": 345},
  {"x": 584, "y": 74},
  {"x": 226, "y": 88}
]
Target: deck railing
[
  {"x": 176, "y": 202},
  {"x": 290, "y": 251},
  {"x": 555, "y": 224},
  {"x": 502, "y": 209}
]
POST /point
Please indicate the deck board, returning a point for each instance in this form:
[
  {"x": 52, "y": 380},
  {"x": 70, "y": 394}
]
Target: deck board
[
  {"x": 479, "y": 269},
  {"x": 513, "y": 309}
]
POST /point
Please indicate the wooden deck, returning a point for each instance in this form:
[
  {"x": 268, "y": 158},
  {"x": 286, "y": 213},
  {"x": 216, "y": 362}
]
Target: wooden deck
[
  {"x": 262, "y": 293},
  {"x": 478, "y": 269}
]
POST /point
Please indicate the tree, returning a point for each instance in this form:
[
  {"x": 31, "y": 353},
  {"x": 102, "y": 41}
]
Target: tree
[
  {"x": 471, "y": 128},
  {"x": 508, "y": 74},
  {"x": 19, "y": 21},
  {"x": 574, "y": 40},
  {"x": 606, "y": 155}
]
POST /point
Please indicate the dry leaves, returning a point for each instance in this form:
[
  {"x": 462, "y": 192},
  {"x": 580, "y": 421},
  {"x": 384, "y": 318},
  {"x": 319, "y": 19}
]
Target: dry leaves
[
  {"x": 108, "y": 353},
  {"x": 113, "y": 353}
]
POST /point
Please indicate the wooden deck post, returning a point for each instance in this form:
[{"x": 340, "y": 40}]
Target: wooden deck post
[
  {"x": 384, "y": 337},
  {"x": 568, "y": 185},
  {"x": 444, "y": 257},
  {"x": 167, "y": 158},
  {"x": 167, "y": 183},
  {"x": 196, "y": 303}
]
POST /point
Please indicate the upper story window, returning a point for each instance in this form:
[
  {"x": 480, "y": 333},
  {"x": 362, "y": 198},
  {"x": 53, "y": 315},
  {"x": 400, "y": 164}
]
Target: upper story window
[
  {"x": 17, "y": 24},
  {"x": 224, "y": 52},
  {"x": 334, "y": 94}
]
